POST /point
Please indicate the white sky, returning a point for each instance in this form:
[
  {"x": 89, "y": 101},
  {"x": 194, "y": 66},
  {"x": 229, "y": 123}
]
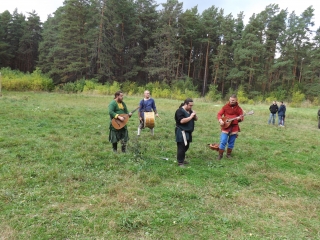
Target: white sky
[{"x": 45, "y": 7}]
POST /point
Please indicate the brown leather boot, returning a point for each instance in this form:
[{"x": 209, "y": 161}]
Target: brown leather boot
[
  {"x": 229, "y": 150},
  {"x": 220, "y": 154}
]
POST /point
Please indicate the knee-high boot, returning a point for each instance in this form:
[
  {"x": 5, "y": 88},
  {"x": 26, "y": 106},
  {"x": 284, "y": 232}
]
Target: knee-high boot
[
  {"x": 123, "y": 148},
  {"x": 220, "y": 156},
  {"x": 229, "y": 150},
  {"x": 114, "y": 147}
]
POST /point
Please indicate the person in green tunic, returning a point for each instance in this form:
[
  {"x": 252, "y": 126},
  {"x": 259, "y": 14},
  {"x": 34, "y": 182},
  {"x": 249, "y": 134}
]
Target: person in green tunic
[
  {"x": 116, "y": 107},
  {"x": 184, "y": 118}
]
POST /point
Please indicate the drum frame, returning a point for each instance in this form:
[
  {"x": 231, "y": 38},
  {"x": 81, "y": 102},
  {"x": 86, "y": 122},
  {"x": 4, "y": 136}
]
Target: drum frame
[{"x": 149, "y": 120}]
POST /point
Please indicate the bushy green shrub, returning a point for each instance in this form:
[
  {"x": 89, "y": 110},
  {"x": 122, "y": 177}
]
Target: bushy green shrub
[
  {"x": 161, "y": 93},
  {"x": 103, "y": 89},
  {"x": 242, "y": 96},
  {"x": 129, "y": 88},
  {"x": 297, "y": 98},
  {"x": 213, "y": 94},
  {"x": 114, "y": 87},
  {"x": 17, "y": 81},
  {"x": 89, "y": 86},
  {"x": 69, "y": 87}
]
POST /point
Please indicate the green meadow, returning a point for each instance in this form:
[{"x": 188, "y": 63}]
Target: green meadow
[{"x": 61, "y": 180}]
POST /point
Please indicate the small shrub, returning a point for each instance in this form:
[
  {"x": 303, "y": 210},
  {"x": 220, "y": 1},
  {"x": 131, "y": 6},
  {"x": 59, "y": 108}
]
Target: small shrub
[
  {"x": 129, "y": 87},
  {"x": 297, "y": 97},
  {"x": 89, "y": 86},
  {"x": 103, "y": 89},
  {"x": 114, "y": 87},
  {"x": 213, "y": 94},
  {"x": 242, "y": 97},
  {"x": 69, "y": 87}
]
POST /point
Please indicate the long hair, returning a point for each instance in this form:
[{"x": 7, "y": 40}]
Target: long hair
[{"x": 187, "y": 101}]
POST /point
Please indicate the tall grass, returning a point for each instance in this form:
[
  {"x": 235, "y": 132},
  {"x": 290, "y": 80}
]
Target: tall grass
[{"x": 61, "y": 180}]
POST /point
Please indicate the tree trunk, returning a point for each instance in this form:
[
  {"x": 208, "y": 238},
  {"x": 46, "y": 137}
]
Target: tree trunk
[
  {"x": 206, "y": 70},
  {"x": 190, "y": 55}
]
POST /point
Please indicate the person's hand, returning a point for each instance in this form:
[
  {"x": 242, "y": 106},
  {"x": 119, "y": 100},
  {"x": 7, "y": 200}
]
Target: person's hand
[
  {"x": 130, "y": 114},
  {"x": 121, "y": 118},
  {"x": 140, "y": 118},
  {"x": 157, "y": 114},
  {"x": 221, "y": 122},
  {"x": 193, "y": 114}
]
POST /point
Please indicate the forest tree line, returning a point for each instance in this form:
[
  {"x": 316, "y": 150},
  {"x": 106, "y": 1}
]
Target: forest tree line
[{"x": 142, "y": 42}]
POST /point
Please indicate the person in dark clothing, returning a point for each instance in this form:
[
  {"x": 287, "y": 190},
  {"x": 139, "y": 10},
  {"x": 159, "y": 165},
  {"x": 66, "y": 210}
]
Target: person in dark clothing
[
  {"x": 184, "y": 118},
  {"x": 319, "y": 118},
  {"x": 273, "y": 112},
  {"x": 281, "y": 114}
]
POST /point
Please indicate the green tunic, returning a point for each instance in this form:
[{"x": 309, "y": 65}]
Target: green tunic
[{"x": 121, "y": 134}]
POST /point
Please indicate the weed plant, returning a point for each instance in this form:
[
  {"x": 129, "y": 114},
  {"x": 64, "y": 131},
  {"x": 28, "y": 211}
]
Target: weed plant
[{"x": 61, "y": 180}]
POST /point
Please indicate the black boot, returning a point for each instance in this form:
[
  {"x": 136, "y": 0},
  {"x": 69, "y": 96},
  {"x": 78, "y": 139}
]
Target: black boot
[
  {"x": 114, "y": 147},
  {"x": 123, "y": 148}
]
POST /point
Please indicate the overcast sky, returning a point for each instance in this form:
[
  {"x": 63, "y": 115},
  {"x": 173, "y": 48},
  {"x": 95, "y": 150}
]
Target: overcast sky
[{"x": 45, "y": 7}]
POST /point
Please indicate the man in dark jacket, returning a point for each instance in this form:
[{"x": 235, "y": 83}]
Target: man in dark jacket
[
  {"x": 319, "y": 118},
  {"x": 273, "y": 111},
  {"x": 184, "y": 118},
  {"x": 281, "y": 114}
]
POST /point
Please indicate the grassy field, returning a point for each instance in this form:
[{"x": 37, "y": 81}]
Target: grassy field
[{"x": 61, "y": 180}]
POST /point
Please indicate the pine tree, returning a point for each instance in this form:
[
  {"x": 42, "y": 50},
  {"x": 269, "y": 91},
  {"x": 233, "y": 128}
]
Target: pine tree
[
  {"x": 162, "y": 59},
  {"x": 16, "y": 29},
  {"x": 29, "y": 43},
  {"x": 70, "y": 51},
  {"x": 5, "y": 54},
  {"x": 48, "y": 44}
]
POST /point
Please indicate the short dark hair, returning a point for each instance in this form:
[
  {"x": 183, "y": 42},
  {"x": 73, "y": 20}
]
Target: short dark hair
[
  {"x": 233, "y": 96},
  {"x": 117, "y": 93}
]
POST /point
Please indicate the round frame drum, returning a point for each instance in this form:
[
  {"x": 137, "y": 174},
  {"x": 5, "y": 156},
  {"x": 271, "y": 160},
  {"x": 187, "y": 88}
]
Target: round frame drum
[{"x": 149, "y": 120}]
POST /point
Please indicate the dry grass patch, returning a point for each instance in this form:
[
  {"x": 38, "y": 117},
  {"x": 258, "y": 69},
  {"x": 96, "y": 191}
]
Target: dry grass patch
[{"x": 7, "y": 232}]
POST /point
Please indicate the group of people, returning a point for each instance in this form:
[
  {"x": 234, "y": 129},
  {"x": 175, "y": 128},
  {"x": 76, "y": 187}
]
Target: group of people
[
  {"x": 185, "y": 119},
  {"x": 274, "y": 109},
  {"x": 118, "y": 107}
]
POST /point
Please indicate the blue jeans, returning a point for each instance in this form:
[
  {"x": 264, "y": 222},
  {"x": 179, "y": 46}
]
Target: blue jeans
[
  {"x": 280, "y": 120},
  {"x": 226, "y": 138},
  {"x": 272, "y": 118}
]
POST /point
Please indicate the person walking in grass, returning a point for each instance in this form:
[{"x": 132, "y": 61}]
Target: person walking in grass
[
  {"x": 273, "y": 112},
  {"x": 319, "y": 118},
  {"x": 184, "y": 118},
  {"x": 229, "y": 134},
  {"x": 147, "y": 104},
  {"x": 116, "y": 107},
  {"x": 281, "y": 114}
]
